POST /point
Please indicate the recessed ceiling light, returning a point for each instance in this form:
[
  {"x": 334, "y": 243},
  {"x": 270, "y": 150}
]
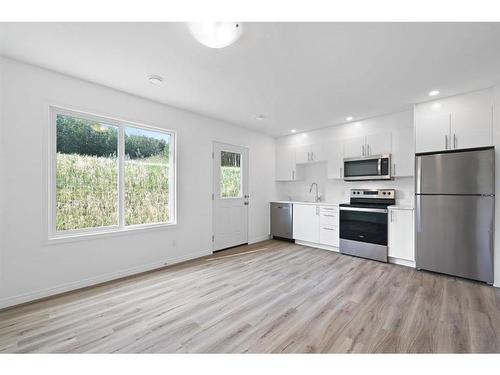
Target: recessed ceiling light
[
  {"x": 434, "y": 93},
  {"x": 348, "y": 118},
  {"x": 155, "y": 80},
  {"x": 216, "y": 34},
  {"x": 260, "y": 117},
  {"x": 293, "y": 131}
]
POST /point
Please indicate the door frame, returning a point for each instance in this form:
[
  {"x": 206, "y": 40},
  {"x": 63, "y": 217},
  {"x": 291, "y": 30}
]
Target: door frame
[{"x": 245, "y": 174}]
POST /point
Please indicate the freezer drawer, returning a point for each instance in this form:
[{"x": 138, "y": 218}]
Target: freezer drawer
[
  {"x": 454, "y": 235},
  {"x": 282, "y": 220}
]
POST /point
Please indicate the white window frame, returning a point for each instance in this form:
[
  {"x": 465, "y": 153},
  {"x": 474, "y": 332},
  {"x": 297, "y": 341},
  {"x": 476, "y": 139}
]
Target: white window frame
[{"x": 55, "y": 234}]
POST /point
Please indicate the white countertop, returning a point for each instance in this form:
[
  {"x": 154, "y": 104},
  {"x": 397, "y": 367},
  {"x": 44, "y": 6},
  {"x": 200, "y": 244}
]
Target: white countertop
[{"x": 313, "y": 203}]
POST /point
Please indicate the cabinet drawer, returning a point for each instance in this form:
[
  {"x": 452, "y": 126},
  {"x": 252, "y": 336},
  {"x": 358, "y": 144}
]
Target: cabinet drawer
[
  {"x": 328, "y": 216},
  {"x": 329, "y": 235}
]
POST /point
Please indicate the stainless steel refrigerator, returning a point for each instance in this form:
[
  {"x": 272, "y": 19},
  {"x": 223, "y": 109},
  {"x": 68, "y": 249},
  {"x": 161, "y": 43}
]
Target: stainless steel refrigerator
[{"x": 454, "y": 212}]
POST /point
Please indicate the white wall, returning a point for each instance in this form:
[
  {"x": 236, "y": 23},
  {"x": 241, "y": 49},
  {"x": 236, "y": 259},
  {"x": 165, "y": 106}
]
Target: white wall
[
  {"x": 338, "y": 190},
  {"x": 496, "y": 141},
  {"x": 32, "y": 267}
]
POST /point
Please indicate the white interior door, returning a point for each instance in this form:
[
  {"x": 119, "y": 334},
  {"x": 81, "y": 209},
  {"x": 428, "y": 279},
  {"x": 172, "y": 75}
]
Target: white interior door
[{"x": 230, "y": 196}]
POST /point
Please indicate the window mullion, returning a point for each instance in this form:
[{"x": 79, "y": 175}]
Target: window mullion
[{"x": 121, "y": 176}]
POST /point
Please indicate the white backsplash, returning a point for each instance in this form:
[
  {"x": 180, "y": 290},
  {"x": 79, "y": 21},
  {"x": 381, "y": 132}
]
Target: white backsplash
[{"x": 338, "y": 190}]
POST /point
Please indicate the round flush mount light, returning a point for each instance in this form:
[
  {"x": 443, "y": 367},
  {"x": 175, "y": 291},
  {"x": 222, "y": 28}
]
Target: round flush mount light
[
  {"x": 348, "y": 118},
  {"x": 293, "y": 131},
  {"x": 216, "y": 34},
  {"x": 434, "y": 93},
  {"x": 260, "y": 117},
  {"x": 155, "y": 80}
]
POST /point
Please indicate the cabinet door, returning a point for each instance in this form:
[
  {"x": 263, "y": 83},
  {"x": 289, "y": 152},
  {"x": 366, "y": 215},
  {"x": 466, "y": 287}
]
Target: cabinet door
[
  {"x": 318, "y": 152},
  {"x": 377, "y": 144},
  {"x": 306, "y": 222},
  {"x": 335, "y": 160},
  {"x": 403, "y": 163},
  {"x": 401, "y": 244},
  {"x": 432, "y": 132},
  {"x": 354, "y": 147},
  {"x": 472, "y": 127},
  {"x": 285, "y": 163},
  {"x": 303, "y": 154}
]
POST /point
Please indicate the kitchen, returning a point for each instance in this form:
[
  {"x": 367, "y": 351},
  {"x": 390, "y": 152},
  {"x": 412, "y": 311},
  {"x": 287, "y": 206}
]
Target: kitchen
[{"x": 322, "y": 159}]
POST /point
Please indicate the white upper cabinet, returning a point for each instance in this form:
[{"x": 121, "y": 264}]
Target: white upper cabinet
[
  {"x": 334, "y": 156},
  {"x": 286, "y": 168},
  {"x": 459, "y": 122},
  {"x": 373, "y": 144},
  {"x": 306, "y": 222},
  {"x": 472, "y": 127},
  {"x": 354, "y": 147},
  {"x": 403, "y": 163},
  {"x": 310, "y": 154},
  {"x": 432, "y": 132},
  {"x": 377, "y": 144}
]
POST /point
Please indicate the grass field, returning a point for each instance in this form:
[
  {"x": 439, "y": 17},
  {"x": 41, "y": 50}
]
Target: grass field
[{"x": 87, "y": 190}]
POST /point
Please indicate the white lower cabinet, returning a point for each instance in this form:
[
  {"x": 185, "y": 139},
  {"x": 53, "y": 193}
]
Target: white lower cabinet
[
  {"x": 316, "y": 223},
  {"x": 401, "y": 228},
  {"x": 306, "y": 222}
]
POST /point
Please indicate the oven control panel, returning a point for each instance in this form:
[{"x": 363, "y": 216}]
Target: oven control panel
[{"x": 373, "y": 193}]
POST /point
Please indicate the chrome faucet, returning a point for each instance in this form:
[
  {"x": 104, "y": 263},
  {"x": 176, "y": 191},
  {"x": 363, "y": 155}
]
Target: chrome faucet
[{"x": 317, "y": 198}]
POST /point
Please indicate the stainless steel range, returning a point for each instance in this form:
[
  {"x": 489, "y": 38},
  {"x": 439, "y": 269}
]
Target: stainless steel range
[{"x": 363, "y": 223}]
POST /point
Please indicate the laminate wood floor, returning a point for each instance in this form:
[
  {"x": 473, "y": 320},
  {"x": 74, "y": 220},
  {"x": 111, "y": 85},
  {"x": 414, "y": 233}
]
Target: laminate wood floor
[{"x": 268, "y": 297}]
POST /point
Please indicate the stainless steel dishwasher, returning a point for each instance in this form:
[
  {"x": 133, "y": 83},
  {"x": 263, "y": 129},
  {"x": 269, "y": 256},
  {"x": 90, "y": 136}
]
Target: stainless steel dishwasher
[{"x": 282, "y": 220}]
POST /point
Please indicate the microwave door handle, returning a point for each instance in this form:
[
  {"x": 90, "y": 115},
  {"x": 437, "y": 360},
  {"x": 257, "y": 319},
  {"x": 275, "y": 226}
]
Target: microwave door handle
[{"x": 379, "y": 166}]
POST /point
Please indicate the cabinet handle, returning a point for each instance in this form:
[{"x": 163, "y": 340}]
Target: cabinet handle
[
  {"x": 312, "y": 156},
  {"x": 327, "y": 228},
  {"x": 317, "y": 210},
  {"x": 341, "y": 175},
  {"x": 328, "y": 215},
  {"x": 392, "y": 215},
  {"x": 363, "y": 150},
  {"x": 293, "y": 175},
  {"x": 445, "y": 142},
  {"x": 394, "y": 169},
  {"x": 367, "y": 149},
  {"x": 454, "y": 140}
]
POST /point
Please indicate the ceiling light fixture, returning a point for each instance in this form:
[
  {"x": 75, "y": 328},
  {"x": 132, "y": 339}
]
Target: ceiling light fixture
[
  {"x": 216, "y": 34},
  {"x": 349, "y": 118},
  {"x": 155, "y": 80},
  {"x": 434, "y": 93},
  {"x": 293, "y": 131},
  {"x": 260, "y": 117}
]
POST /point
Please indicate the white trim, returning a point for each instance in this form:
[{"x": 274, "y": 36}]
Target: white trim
[
  {"x": 317, "y": 245},
  {"x": 258, "y": 239},
  {"x": 402, "y": 262},
  {"x": 43, "y": 293},
  {"x": 87, "y": 233}
]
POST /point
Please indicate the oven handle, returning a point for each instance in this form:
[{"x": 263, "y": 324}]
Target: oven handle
[{"x": 381, "y": 210}]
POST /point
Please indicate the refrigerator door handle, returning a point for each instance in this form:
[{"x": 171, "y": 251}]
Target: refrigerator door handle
[{"x": 418, "y": 213}]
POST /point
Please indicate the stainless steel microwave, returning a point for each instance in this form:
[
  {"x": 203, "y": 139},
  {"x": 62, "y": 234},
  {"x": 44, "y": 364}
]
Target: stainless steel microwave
[{"x": 374, "y": 167}]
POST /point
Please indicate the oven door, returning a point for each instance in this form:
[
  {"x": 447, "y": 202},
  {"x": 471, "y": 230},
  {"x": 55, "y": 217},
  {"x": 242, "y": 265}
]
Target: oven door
[
  {"x": 364, "y": 225},
  {"x": 372, "y": 168}
]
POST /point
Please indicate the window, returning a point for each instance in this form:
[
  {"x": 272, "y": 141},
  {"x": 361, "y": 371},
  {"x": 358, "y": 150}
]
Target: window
[
  {"x": 230, "y": 174},
  {"x": 109, "y": 175}
]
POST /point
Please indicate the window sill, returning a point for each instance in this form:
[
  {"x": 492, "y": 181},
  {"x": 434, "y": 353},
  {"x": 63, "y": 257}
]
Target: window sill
[{"x": 94, "y": 235}]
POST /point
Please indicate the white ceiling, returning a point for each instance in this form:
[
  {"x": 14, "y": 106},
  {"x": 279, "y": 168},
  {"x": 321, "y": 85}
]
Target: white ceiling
[{"x": 299, "y": 75}]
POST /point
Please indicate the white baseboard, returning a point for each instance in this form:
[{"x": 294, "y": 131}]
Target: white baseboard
[
  {"x": 42, "y": 293},
  {"x": 402, "y": 262},
  {"x": 317, "y": 245},
  {"x": 258, "y": 239}
]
